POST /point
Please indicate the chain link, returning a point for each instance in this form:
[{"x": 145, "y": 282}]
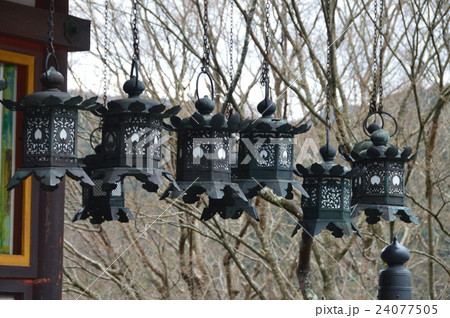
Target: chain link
[
  {"x": 328, "y": 101},
  {"x": 135, "y": 32},
  {"x": 265, "y": 67},
  {"x": 377, "y": 58},
  {"x": 231, "y": 67},
  {"x": 380, "y": 75},
  {"x": 105, "y": 54},
  {"x": 50, "y": 34},
  {"x": 373, "y": 100},
  {"x": 206, "y": 47}
]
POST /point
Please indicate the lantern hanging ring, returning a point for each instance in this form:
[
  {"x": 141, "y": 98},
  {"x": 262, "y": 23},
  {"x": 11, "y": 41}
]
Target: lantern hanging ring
[
  {"x": 91, "y": 137},
  {"x": 381, "y": 113},
  {"x": 53, "y": 55},
  {"x": 210, "y": 81},
  {"x": 135, "y": 69},
  {"x": 267, "y": 91}
]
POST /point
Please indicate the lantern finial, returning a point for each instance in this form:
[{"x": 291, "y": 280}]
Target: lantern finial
[
  {"x": 133, "y": 87},
  {"x": 327, "y": 152},
  {"x": 395, "y": 281},
  {"x": 380, "y": 137},
  {"x": 395, "y": 254},
  {"x": 204, "y": 105},
  {"x": 3, "y": 84},
  {"x": 52, "y": 79},
  {"x": 266, "y": 107},
  {"x": 373, "y": 127}
]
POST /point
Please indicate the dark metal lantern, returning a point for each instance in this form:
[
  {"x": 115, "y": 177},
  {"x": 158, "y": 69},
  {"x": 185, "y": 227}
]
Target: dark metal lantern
[
  {"x": 380, "y": 190},
  {"x": 328, "y": 205},
  {"x": 203, "y": 162},
  {"x": 131, "y": 139},
  {"x": 100, "y": 205},
  {"x": 50, "y": 133},
  {"x": 395, "y": 280},
  {"x": 266, "y": 151}
]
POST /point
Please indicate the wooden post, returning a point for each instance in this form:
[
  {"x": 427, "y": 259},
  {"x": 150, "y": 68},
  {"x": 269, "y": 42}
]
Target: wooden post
[{"x": 48, "y": 283}]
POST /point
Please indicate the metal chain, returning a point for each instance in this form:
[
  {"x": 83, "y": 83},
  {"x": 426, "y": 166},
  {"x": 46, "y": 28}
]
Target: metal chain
[
  {"x": 328, "y": 101},
  {"x": 380, "y": 73},
  {"x": 105, "y": 54},
  {"x": 135, "y": 32},
  {"x": 206, "y": 47},
  {"x": 50, "y": 34},
  {"x": 231, "y": 67},
  {"x": 373, "y": 100},
  {"x": 377, "y": 58},
  {"x": 265, "y": 67}
]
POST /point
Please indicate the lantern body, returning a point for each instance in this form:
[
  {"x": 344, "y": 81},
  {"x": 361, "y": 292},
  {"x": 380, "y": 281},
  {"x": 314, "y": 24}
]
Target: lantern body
[
  {"x": 328, "y": 205},
  {"x": 380, "y": 190},
  {"x": 382, "y": 183},
  {"x": 50, "y": 133},
  {"x": 50, "y": 136},
  {"x": 266, "y": 150},
  {"x": 204, "y": 155},
  {"x": 131, "y": 139},
  {"x": 203, "y": 162}
]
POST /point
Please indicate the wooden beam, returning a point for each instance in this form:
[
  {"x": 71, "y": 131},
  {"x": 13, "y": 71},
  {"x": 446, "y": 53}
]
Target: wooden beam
[{"x": 30, "y": 24}]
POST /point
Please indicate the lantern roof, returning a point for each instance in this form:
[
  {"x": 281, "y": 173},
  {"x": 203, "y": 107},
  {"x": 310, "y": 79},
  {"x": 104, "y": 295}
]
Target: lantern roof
[
  {"x": 135, "y": 104},
  {"x": 328, "y": 167},
  {"x": 202, "y": 118},
  {"x": 52, "y": 95},
  {"x": 268, "y": 123},
  {"x": 378, "y": 147}
]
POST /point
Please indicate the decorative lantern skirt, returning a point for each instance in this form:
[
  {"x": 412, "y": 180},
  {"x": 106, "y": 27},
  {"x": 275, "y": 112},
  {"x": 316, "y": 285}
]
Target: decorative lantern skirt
[
  {"x": 380, "y": 190},
  {"x": 50, "y": 134},
  {"x": 328, "y": 205},
  {"x": 231, "y": 206}
]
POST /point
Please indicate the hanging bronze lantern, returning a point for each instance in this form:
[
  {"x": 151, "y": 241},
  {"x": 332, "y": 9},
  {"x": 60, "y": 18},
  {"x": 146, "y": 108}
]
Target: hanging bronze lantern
[
  {"x": 100, "y": 205},
  {"x": 203, "y": 162},
  {"x": 328, "y": 205},
  {"x": 266, "y": 151},
  {"x": 131, "y": 138},
  {"x": 380, "y": 190},
  {"x": 50, "y": 133}
]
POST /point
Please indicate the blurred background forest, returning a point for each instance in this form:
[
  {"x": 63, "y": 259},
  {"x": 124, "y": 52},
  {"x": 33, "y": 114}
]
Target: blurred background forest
[{"x": 168, "y": 253}]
